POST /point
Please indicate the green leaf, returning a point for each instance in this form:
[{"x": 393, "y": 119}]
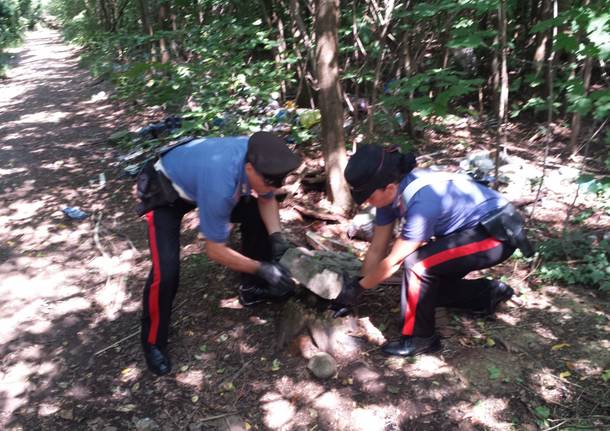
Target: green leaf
[
  {"x": 494, "y": 372},
  {"x": 566, "y": 42},
  {"x": 543, "y": 412}
]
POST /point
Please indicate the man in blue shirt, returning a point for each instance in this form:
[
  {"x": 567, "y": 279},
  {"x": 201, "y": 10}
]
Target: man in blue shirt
[
  {"x": 230, "y": 180},
  {"x": 451, "y": 225}
]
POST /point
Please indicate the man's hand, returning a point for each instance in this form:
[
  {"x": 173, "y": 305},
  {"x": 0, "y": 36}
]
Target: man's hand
[
  {"x": 276, "y": 275},
  {"x": 279, "y": 245},
  {"x": 350, "y": 293}
]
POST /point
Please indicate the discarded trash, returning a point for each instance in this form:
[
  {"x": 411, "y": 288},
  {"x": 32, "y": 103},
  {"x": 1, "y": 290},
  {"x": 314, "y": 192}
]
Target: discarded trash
[
  {"x": 155, "y": 130},
  {"x": 75, "y": 213},
  {"x": 132, "y": 155},
  {"x": 309, "y": 118},
  {"x": 362, "y": 226},
  {"x": 132, "y": 170}
]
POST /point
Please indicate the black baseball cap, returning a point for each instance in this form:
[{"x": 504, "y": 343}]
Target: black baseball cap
[
  {"x": 271, "y": 157},
  {"x": 368, "y": 170}
]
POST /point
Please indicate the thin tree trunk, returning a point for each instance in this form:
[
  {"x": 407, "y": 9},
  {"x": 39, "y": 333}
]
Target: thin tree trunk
[
  {"x": 549, "y": 119},
  {"x": 503, "y": 100},
  {"x": 331, "y": 106},
  {"x": 147, "y": 27},
  {"x": 163, "y": 49},
  {"x": 577, "y": 118},
  {"x": 384, "y": 22},
  {"x": 586, "y": 78}
]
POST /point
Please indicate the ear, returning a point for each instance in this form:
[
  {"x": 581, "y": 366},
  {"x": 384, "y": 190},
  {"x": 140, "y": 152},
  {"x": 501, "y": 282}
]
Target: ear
[{"x": 392, "y": 188}]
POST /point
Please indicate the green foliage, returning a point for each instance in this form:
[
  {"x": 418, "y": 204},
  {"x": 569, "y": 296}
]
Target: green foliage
[
  {"x": 227, "y": 58},
  {"x": 577, "y": 258}
]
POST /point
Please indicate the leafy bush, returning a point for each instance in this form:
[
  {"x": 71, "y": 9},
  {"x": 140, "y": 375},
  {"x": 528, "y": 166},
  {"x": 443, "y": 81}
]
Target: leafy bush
[{"x": 576, "y": 259}]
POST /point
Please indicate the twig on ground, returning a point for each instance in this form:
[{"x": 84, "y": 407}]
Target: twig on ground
[
  {"x": 237, "y": 374},
  {"x": 212, "y": 418},
  {"x": 133, "y": 334},
  {"x": 556, "y": 426}
]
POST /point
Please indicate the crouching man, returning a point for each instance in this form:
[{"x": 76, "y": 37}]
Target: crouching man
[
  {"x": 451, "y": 225},
  {"x": 229, "y": 180}
]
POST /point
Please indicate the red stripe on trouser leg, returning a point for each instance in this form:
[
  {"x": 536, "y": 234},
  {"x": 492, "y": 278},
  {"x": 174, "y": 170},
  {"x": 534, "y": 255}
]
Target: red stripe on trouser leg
[
  {"x": 153, "y": 294},
  {"x": 414, "y": 281}
]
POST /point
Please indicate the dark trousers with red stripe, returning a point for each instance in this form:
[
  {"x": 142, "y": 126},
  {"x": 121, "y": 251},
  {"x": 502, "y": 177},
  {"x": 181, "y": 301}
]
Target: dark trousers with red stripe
[
  {"x": 164, "y": 240},
  {"x": 433, "y": 277}
]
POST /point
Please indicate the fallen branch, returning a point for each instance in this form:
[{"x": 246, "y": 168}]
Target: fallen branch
[
  {"x": 237, "y": 374},
  {"x": 319, "y": 215},
  {"x": 320, "y": 242},
  {"x": 133, "y": 334}
]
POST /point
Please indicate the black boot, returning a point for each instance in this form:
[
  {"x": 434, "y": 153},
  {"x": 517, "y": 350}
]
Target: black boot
[
  {"x": 157, "y": 359},
  {"x": 411, "y": 346},
  {"x": 252, "y": 294},
  {"x": 500, "y": 293}
]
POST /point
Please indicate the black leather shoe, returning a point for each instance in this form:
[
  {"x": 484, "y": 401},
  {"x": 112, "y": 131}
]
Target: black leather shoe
[
  {"x": 501, "y": 293},
  {"x": 253, "y": 294},
  {"x": 411, "y": 346},
  {"x": 158, "y": 361}
]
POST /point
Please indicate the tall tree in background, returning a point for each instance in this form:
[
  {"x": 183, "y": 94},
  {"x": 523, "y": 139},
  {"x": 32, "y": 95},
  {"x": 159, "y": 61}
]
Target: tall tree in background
[{"x": 331, "y": 106}]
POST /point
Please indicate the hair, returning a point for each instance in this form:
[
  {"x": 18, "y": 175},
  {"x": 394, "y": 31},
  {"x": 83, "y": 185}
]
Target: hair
[{"x": 396, "y": 165}]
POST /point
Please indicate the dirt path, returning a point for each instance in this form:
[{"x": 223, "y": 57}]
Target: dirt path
[
  {"x": 70, "y": 289},
  {"x": 56, "y": 289}
]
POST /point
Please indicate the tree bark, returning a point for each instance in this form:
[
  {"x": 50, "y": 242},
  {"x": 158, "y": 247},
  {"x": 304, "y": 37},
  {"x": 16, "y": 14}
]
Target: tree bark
[
  {"x": 331, "y": 106},
  {"x": 503, "y": 99},
  {"x": 147, "y": 27},
  {"x": 586, "y": 78}
]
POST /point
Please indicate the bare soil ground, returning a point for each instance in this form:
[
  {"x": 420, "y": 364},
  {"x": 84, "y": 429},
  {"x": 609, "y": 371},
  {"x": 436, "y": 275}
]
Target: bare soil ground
[{"x": 70, "y": 302}]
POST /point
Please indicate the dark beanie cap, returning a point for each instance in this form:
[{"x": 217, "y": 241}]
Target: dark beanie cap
[
  {"x": 373, "y": 167},
  {"x": 271, "y": 157}
]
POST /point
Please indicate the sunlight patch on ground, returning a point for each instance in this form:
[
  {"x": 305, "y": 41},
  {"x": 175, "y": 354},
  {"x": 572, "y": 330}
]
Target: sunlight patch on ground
[
  {"x": 548, "y": 386},
  {"x": 486, "y": 413},
  {"x": 278, "y": 413},
  {"x": 22, "y": 210},
  {"x": 48, "y": 409},
  {"x": 13, "y": 171},
  {"x": 371, "y": 418},
  {"x": 43, "y": 117},
  {"x": 192, "y": 378},
  {"x": 428, "y": 366},
  {"x": 544, "y": 332}
]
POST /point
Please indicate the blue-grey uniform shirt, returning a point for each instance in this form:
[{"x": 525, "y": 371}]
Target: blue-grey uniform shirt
[
  {"x": 440, "y": 208},
  {"x": 210, "y": 173}
]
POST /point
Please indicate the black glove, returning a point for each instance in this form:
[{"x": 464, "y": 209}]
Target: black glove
[
  {"x": 276, "y": 275},
  {"x": 279, "y": 245},
  {"x": 348, "y": 297}
]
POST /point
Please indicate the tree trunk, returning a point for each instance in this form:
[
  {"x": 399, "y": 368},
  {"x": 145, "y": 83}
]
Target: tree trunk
[
  {"x": 503, "y": 99},
  {"x": 331, "y": 106},
  {"x": 586, "y": 78},
  {"x": 577, "y": 118},
  {"x": 147, "y": 27},
  {"x": 163, "y": 48}
]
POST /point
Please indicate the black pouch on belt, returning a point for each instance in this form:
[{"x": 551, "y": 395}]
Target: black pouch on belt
[
  {"x": 153, "y": 189},
  {"x": 507, "y": 225}
]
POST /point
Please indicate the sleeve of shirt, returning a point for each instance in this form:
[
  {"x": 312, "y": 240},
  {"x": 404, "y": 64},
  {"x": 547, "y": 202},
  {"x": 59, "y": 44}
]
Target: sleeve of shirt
[
  {"x": 214, "y": 217},
  {"x": 385, "y": 215},
  {"x": 420, "y": 220}
]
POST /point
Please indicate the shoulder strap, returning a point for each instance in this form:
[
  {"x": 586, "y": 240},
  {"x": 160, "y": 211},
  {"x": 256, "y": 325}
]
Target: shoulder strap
[
  {"x": 420, "y": 182},
  {"x": 167, "y": 148}
]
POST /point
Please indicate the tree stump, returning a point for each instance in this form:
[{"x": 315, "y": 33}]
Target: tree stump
[{"x": 306, "y": 322}]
